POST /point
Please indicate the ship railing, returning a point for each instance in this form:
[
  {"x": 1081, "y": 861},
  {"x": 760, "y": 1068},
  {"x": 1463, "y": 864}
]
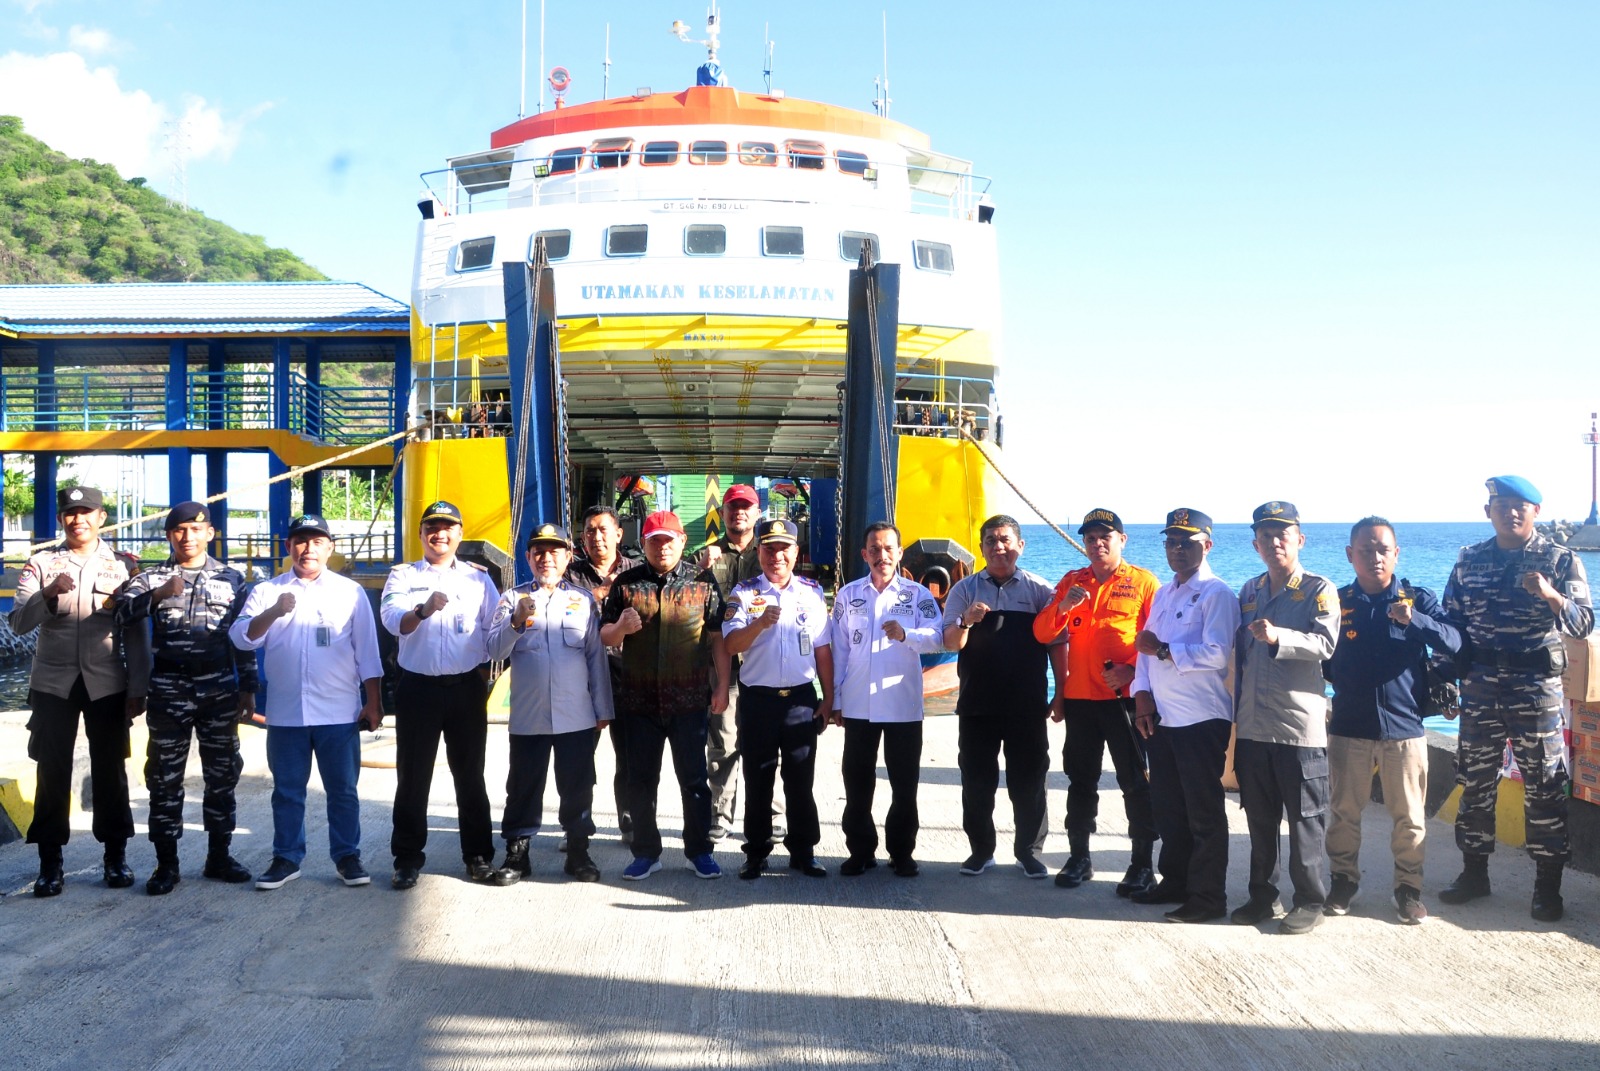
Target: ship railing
[
  {"x": 85, "y": 400},
  {"x": 462, "y": 407},
  {"x": 260, "y": 556},
  {"x": 941, "y": 406},
  {"x": 531, "y": 182}
]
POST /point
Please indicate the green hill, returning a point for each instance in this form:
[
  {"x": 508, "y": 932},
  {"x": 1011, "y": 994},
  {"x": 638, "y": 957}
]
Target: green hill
[{"x": 74, "y": 221}]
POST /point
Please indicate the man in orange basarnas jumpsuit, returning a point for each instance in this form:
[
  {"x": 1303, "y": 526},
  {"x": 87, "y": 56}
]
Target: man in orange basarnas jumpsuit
[{"x": 1101, "y": 607}]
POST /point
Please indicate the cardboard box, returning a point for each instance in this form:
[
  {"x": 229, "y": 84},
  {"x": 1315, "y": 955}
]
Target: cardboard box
[
  {"x": 1581, "y": 681},
  {"x": 1586, "y": 772},
  {"x": 1585, "y": 722},
  {"x": 1583, "y": 744},
  {"x": 1590, "y": 795}
]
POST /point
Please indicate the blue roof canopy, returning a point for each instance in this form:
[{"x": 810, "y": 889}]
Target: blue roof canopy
[{"x": 164, "y": 309}]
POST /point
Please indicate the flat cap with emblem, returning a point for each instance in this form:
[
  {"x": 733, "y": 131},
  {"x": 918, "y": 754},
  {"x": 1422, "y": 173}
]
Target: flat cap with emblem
[
  {"x": 547, "y": 533},
  {"x": 74, "y": 498},
  {"x": 441, "y": 511},
  {"x": 1189, "y": 522},
  {"x": 778, "y": 530},
  {"x": 187, "y": 513}
]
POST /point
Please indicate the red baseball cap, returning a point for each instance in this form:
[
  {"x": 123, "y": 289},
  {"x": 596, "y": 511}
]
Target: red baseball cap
[
  {"x": 741, "y": 492},
  {"x": 662, "y": 523}
]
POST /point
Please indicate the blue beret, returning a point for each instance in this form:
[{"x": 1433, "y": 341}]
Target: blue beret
[{"x": 1515, "y": 487}]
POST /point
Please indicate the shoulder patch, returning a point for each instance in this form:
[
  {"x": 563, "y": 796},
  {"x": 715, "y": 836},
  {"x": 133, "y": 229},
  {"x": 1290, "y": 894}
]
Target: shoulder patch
[
  {"x": 808, "y": 582},
  {"x": 480, "y": 568}
]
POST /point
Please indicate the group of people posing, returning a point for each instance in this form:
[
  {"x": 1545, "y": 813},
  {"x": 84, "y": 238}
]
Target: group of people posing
[{"x": 728, "y": 658}]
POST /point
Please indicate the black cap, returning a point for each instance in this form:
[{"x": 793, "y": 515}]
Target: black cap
[
  {"x": 549, "y": 533},
  {"x": 778, "y": 530},
  {"x": 1189, "y": 522},
  {"x": 1101, "y": 518},
  {"x": 309, "y": 524},
  {"x": 185, "y": 512},
  {"x": 1282, "y": 513},
  {"x": 71, "y": 498},
  {"x": 441, "y": 511}
]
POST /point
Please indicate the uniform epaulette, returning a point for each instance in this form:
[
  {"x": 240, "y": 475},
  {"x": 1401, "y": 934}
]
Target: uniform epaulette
[
  {"x": 130, "y": 560},
  {"x": 809, "y": 582},
  {"x": 748, "y": 582},
  {"x": 480, "y": 568}
]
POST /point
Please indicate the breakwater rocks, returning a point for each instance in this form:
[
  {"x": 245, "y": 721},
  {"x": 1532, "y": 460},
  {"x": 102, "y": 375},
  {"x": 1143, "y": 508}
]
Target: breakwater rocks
[
  {"x": 1572, "y": 534},
  {"x": 13, "y": 647}
]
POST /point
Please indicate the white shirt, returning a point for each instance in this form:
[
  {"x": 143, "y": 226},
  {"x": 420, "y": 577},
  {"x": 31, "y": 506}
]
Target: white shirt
[
  {"x": 452, "y": 640},
  {"x": 560, "y": 678},
  {"x": 874, "y": 677},
  {"x": 783, "y": 656},
  {"x": 316, "y": 656},
  {"x": 1198, "y": 620}
]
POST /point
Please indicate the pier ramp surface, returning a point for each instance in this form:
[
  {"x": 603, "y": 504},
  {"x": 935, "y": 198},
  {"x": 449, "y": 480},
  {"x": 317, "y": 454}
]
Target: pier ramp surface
[{"x": 940, "y": 971}]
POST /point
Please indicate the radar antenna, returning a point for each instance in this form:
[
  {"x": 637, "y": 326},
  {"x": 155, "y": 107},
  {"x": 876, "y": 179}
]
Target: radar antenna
[
  {"x": 710, "y": 72},
  {"x": 766, "y": 71},
  {"x": 880, "y": 86}
]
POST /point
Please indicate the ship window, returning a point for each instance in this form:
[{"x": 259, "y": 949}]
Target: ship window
[
  {"x": 759, "y": 153},
  {"x": 850, "y": 244},
  {"x": 565, "y": 161},
  {"x": 806, "y": 155},
  {"x": 611, "y": 152},
  {"x": 557, "y": 244},
  {"x": 708, "y": 152},
  {"x": 628, "y": 240},
  {"x": 659, "y": 152},
  {"x": 851, "y": 163},
  {"x": 783, "y": 241},
  {"x": 705, "y": 239},
  {"x": 934, "y": 256},
  {"x": 474, "y": 253}
]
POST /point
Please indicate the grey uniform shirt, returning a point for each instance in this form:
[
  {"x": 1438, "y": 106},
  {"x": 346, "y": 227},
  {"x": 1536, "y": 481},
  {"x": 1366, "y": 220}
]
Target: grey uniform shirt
[
  {"x": 78, "y": 633},
  {"x": 560, "y": 682},
  {"x": 1282, "y": 693}
]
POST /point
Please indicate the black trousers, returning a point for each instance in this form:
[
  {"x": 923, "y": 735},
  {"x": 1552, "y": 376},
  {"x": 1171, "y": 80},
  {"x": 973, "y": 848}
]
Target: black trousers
[
  {"x": 427, "y": 708},
  {"x": 779, "y": 732},
  {"x": 1025, "y": 739},
  {"x": 1095, "y": 726},
  {"x": 1275, "y": 779},
  {"x": 1190, "y": 806},
  {"x": 619, "y": 776},
  {"x": 530, "y": 764},
  {"x": 647, "y": 738},
  {"x": 52, "y": 734},
  {"x": 902, "y": 759}
]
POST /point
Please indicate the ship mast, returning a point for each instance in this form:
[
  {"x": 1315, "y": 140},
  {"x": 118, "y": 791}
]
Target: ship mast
[{"x": 1593, "y": 439}]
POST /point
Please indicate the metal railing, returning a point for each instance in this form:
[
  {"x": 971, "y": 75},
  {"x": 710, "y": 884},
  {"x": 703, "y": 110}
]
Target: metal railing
[
  {"x": 527, "y": 182},
  {"x": 942, "y": 406},
  {"x": 462, "y": 407},
  {"x": 82, "y": 401},
  {"x": 230, "y": 400}
]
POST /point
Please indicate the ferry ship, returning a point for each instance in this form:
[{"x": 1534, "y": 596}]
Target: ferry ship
[{"x": 701, "y": 244}]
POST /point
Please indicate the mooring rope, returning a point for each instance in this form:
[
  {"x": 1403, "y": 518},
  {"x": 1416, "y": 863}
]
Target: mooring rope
[
  {"x": 291, "y": 474},
  {"x": 1013, "y": 485}
]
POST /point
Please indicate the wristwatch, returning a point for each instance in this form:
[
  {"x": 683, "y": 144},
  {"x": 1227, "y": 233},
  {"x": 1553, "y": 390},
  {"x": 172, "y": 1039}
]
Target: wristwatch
[
  {"x": 417, "y": 609},
  {"x": 1164, "y": 652}
]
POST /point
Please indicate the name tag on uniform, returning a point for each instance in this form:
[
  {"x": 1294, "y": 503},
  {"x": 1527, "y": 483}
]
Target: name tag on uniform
[
  {"x": 461, "y": 624},
  {"x": 805, "y": 643},
  {"x": 324, "y": 636}
]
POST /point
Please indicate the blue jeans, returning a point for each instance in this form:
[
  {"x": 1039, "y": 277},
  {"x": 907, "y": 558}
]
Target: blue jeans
[{"x": 338, "y": 752}]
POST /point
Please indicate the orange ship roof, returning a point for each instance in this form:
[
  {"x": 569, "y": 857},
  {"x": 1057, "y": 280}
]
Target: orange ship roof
[{"x": 699, "y": 105}]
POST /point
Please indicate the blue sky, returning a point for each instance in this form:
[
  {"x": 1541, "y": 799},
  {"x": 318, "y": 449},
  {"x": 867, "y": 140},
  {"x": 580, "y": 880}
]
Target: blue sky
[{"x": 1344, "y": 254}]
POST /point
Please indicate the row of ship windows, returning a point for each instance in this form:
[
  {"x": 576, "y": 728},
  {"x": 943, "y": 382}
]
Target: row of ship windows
[
  {"x": 703, "y": 240},
  {"x": 617, "y": 152}
]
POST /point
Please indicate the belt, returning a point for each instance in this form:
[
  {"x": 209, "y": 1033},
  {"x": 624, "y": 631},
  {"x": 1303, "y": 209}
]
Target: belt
[
  {"x": 195, "y": 666},
  {"x": 1540, "y": 660},
  {"x": 441, "y": 678},
  {"x": 761, "y": 689}
]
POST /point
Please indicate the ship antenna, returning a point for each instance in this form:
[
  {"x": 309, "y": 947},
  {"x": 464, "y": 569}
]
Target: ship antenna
[
  {"x": 710, "y": 72},
  {"x": 522, "y": 73},
  {"x": 880, "y": 86},
  {"x": 541, "y": 54},
  {"x": 605, "y": 81},
  {"x": 766, "y": 72}
]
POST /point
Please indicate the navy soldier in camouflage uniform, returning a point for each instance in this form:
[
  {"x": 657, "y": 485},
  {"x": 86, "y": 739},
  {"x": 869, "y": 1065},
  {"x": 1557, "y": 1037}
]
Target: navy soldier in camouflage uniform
[
  {"x": 1515, "y": 595},
  {"x": 201, "y": 686},
  {"x": 83, "y": 666}
]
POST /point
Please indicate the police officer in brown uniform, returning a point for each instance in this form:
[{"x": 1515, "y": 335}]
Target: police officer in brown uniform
[{"x": 83, "y": 665}]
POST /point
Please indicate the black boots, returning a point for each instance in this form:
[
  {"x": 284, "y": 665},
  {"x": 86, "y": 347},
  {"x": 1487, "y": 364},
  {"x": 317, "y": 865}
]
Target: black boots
[
  {"x": 516, "y": 867},
  {"x": 116, "y": 870},
  {"x": 1078, "y": 868},
  {"x": 1547, "y": 903},
  {"x": 1141, "y": 874},
  {"x": 165, "y": 876},
  {"x": 221, "y": 866},
  {"x": 51, "y": 878},
  {"x": 1472, "y": 884}
]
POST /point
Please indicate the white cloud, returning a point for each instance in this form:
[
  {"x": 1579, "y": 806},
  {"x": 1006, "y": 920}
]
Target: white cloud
[
  {"x": 84, "y": 111},
  {"x": 92, "y": 41}
]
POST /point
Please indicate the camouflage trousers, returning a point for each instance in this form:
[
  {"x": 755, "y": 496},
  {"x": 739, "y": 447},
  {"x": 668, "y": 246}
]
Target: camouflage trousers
[
  {"x": 1526, "y": 710},
  {"x": 212, "y": 721}
]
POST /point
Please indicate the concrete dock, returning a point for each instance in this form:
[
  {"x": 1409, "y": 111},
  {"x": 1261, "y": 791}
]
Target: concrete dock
[{"x": 941, "y": 971}]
